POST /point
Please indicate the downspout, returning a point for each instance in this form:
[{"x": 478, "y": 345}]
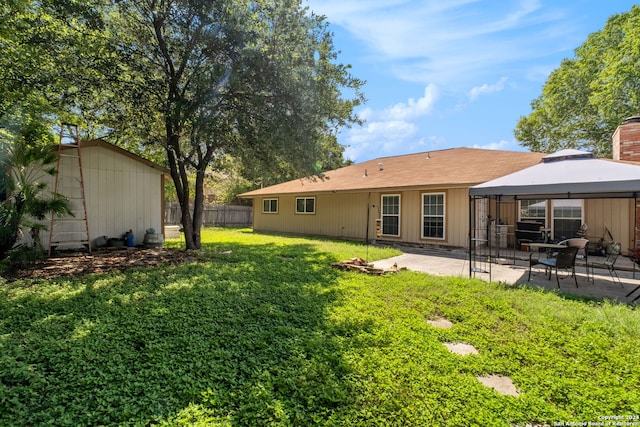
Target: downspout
[{"x": 366, "y": 239}]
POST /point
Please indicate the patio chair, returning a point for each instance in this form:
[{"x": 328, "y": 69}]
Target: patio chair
[
  {"x": 609, "y": 262},
  {"x": 565, "y": 260},
  {"x": 582, "y": 245}
]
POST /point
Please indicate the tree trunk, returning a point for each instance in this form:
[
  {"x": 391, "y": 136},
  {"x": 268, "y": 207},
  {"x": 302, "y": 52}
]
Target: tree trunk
[
  {"x": 198, "y": 209},
  {"x": 181, "y": 182},
  {"x": 191, "y": 230}
]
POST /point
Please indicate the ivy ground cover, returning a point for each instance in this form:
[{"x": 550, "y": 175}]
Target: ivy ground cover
[{"x": 259, "y": 330}]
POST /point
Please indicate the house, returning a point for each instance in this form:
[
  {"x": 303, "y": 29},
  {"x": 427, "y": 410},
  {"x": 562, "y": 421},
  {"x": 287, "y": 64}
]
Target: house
[
  {"x": 417, "y": 198},
  {"x": 423, "y": 199},
  {"x": 123, "y": 191}
]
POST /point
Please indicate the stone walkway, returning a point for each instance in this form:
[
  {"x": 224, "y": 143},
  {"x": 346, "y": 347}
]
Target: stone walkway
[
  {"x": 515, "y": 271},
  {"x": 502, "y": 384}
]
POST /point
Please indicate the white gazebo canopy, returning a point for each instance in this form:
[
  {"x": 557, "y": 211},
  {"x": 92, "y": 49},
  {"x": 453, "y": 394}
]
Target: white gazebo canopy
[{"x": 566, "y": 174}]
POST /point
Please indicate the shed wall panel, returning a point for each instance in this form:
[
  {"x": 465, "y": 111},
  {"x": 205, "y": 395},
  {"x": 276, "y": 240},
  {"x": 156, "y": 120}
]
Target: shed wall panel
[{"x": 121, "y": 194}]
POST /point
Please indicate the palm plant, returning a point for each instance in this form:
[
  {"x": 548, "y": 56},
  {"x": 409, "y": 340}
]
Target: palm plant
[{"x": 25, "y": 200}]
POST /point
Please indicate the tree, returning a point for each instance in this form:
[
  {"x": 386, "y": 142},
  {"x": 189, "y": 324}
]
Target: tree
[
  {"x": 252, "y": 79},
  {"x": 48, "y": 54},
  {"x": 587, "y": 97},
  {"x": 26, "y": 200}
]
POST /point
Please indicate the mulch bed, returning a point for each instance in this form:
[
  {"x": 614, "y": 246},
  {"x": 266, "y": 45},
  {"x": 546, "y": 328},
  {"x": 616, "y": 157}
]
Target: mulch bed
[{"x": 66, "y": 264}]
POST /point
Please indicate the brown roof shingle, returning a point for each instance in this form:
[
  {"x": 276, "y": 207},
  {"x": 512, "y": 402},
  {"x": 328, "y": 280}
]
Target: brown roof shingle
[{"x": 453, "y": 167}]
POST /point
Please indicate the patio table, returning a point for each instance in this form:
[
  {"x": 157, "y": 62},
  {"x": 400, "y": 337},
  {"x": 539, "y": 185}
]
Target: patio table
[{"x": 547, "y": 246}]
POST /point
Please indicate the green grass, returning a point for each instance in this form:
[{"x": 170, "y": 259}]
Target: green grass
[{"x": 258, "y": 330}]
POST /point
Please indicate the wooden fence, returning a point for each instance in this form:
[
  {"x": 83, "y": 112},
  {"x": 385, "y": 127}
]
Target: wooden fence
[{"x": 214, "y": 215}]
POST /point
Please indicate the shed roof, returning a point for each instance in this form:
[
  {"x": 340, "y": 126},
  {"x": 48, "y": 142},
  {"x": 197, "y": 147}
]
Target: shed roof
[
  {"x": 107, "y": 145},
  {"x": 567, "y": 174},
  {"x": 456, "y": 167}
]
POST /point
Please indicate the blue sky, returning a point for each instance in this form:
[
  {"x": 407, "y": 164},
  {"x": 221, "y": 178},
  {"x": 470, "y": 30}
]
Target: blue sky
[{"x": 452, "y": 73}]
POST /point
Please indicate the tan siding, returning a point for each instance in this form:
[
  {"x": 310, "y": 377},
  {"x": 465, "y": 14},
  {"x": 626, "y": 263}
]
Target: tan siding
[
  {"x": 508, "y": 215},
  {"x": 344, "y": 215},
  {"x": 456, "y": 220},
  {"x": 348, "y": 221},
  {"x": 614, "y": 214},
  {"x": 411, "y": 216},
  {"x": 508, "y": 212},
  {"x": 458, "y": 217}
]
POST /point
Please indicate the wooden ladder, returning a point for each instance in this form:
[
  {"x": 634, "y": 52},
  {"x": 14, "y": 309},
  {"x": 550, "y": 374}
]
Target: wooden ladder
[{"x": 71, "y": 231}]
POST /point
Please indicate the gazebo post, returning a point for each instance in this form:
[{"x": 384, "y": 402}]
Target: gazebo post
[{"x": 471, "y": 228}]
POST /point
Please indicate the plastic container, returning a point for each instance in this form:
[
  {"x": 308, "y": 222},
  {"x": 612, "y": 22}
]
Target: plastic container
[
  {"x": 131, "y": 242},
  {"x": 152, "y": 240},
  {"x": 115, "y": 242},
  {"x": 101, "y": 242}
]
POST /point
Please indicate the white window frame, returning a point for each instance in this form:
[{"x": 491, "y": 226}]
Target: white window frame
[
  {"x": 270, "y": 200},
  {"x": 443, "y": 215},
  {"x": 553, "y": 215},
  {"x": 305, "y": 212},
  {"x": 394, "y": 215},
  {"x": 542, "y": 220}
]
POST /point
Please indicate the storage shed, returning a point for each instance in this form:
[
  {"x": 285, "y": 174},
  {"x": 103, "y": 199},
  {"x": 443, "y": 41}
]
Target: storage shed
[{"x": 122, "y": 191}]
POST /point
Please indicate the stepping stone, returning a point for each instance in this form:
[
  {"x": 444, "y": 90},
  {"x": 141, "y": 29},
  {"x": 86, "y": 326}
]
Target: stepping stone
[
  {"x": 461, "y": 348},
  {"x": 440, "y": 322},
  {"x": 502, "y": 385}
]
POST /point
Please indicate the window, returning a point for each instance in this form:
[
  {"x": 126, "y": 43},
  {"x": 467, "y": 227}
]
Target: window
[
  {"x": 534, "y": 210},
  {"x": 391, "y": 215},
  {"x": 433, "y": 216},
  {"x": 305, "y": 205},
  {"x": 269, "y": 205},
  {"x": 567, "y": 218}
]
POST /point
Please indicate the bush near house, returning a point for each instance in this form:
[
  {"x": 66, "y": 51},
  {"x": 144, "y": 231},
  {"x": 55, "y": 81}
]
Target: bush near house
[{"x": 258, "y": 330}]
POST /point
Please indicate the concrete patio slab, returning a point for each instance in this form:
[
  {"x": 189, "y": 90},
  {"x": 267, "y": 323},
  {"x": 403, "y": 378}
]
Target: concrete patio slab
[{"x": 446, "y": 262}]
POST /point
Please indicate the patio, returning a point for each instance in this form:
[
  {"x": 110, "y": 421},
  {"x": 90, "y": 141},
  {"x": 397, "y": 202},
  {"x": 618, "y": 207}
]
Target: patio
[
  {"x": 455, "y": 262},
  {"x": 567, "y": 176}
]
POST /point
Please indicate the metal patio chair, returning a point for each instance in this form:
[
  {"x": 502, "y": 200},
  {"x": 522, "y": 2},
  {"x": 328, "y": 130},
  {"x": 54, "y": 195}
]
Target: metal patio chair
[
  {"x": 565, "y": 260},
  {"x": 609, "y": 262}
]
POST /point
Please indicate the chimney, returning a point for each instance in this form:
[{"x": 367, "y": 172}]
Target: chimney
[
  {"x": 626, "y": 140},
  {"x": 626, "y": 146}
]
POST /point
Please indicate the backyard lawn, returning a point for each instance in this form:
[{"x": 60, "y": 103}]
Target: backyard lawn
[{"x": 260, "y": 330}]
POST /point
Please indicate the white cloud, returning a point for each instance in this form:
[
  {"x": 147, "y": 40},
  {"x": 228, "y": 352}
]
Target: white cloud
[
  {"x": 381, "y": 133},
  {"x": 453, "y": 42},
  {"x": 500, "y": 145},
  {"x": 391, "y": 129},
  {"x": 486, "y": 89},
  {"x": 384, "y": 136},
  {"x": 402, "y": 111},
  {"x": 459, "y": 51},
  {"x": 415, "y": 108}
]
